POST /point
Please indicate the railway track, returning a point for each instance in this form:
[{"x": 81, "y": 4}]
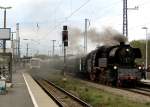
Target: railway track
[
  {"x": 143, "y": 89},
  {"x": 60, "y": 96},
  {"x": 140, "y": 90},
  {"x": 144, "y": 85}
]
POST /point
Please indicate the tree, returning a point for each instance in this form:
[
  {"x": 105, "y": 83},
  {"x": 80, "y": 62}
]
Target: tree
[{"x": 142, "y": 45}]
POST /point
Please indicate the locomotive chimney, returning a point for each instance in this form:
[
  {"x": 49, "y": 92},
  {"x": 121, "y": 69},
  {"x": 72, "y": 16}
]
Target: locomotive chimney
[{"x": 122, "y": 43}]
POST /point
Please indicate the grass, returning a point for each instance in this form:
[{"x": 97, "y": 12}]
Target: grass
[{"x": 93, "y": 96}]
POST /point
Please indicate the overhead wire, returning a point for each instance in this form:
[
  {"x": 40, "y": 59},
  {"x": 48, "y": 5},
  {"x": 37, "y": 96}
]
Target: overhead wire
[
  {"x": 105, "y": 9},
  {"x": 66, "y": 18},
  {"x": 71, "y": 14},
  {"x": 145, "y": 3},
  {"x": 77, "y": 9}
]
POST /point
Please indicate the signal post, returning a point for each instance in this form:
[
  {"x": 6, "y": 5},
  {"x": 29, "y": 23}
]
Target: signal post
[{"x": 65, "y": 44}]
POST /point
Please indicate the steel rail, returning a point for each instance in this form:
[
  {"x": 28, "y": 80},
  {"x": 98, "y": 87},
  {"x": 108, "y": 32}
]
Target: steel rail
[
  {"x": 47, "y": 92},
  {"x": 45, "y": 88},
  {"x": 71, "y": 95},
  {"x": 139, "y": 91}
]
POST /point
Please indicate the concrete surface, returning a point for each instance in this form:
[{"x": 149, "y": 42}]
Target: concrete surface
[
  {"x": 39, "y": 97},
  {"x": 18, "y": 95}
]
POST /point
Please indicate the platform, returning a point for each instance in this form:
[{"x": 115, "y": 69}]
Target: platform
[
  {"x": 25, "y": 93},
  {"x": 39, "y": 97},
  {"x": 147, "y": 81},
  {"x": 18, "y": 95}
]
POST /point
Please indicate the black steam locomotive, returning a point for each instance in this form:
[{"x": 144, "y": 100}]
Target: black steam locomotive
[{"x": 112, "y": 65}]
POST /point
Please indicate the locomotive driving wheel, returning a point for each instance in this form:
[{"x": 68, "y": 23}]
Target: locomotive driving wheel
[{"x": 92, "y": 76}]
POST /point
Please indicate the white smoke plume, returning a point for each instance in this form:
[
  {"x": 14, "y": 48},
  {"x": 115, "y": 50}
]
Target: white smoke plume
[{"x": 75, "y": 36}]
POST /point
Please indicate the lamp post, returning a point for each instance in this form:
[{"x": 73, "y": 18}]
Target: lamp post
[
  {"x": 146, "y": 46},
  {"x": 5, "y": 8},
  {"x": 146, "y": 29},
  {"x": 4, "y": 41}
]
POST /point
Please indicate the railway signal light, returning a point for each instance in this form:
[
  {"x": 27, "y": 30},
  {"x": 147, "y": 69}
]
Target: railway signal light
[
  {"x": 65, "y": 36},
  {"x": 66, "y": 43},
  {"x": 65, "y": 27}
]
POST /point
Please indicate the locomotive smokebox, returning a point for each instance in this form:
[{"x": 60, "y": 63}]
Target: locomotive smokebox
[{"x": 122, "y": 43}]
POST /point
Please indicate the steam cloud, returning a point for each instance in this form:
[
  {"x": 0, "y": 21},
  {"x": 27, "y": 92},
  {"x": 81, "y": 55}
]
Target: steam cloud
[
  {"x": 108, "y": 37},
  {"x": 75, "y": 36}
]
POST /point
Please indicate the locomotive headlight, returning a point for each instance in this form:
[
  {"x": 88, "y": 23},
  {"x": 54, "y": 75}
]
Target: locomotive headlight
[
  {"x": 140, "y": 67},
  {"x": 115, "y": 67},
  {"x": 127, "y": 50}
]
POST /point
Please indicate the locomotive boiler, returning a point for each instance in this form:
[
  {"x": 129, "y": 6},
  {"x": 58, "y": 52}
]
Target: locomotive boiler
[{"x": 113, "y": 65}]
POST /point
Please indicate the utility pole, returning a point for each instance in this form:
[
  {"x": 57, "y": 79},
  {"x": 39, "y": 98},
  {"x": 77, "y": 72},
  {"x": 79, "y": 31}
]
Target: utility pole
[
  {"x": 61, "y": 50},
  {"x": 4, "y": 41},
  {"x": 48, "y": 53},
  {"x": 85, "y": 35},
  {"x": 53, "y": 47},
  {"x": 18, "y": 41},
  {"x": 13, "y": 54},
  {"x": 125, "y": 17},
  {"x": 12, "y": 43},
  {"x": 27, "y": 49}
]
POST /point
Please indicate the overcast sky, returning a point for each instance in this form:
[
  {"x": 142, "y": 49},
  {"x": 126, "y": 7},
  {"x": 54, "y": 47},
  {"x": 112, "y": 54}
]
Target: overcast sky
[{"x": 51, "y": 15}]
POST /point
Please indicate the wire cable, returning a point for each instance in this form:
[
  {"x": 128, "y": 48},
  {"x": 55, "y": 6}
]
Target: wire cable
[
  {"x": 66, "y": 18},
  {"x": 77, "y": 9}
]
